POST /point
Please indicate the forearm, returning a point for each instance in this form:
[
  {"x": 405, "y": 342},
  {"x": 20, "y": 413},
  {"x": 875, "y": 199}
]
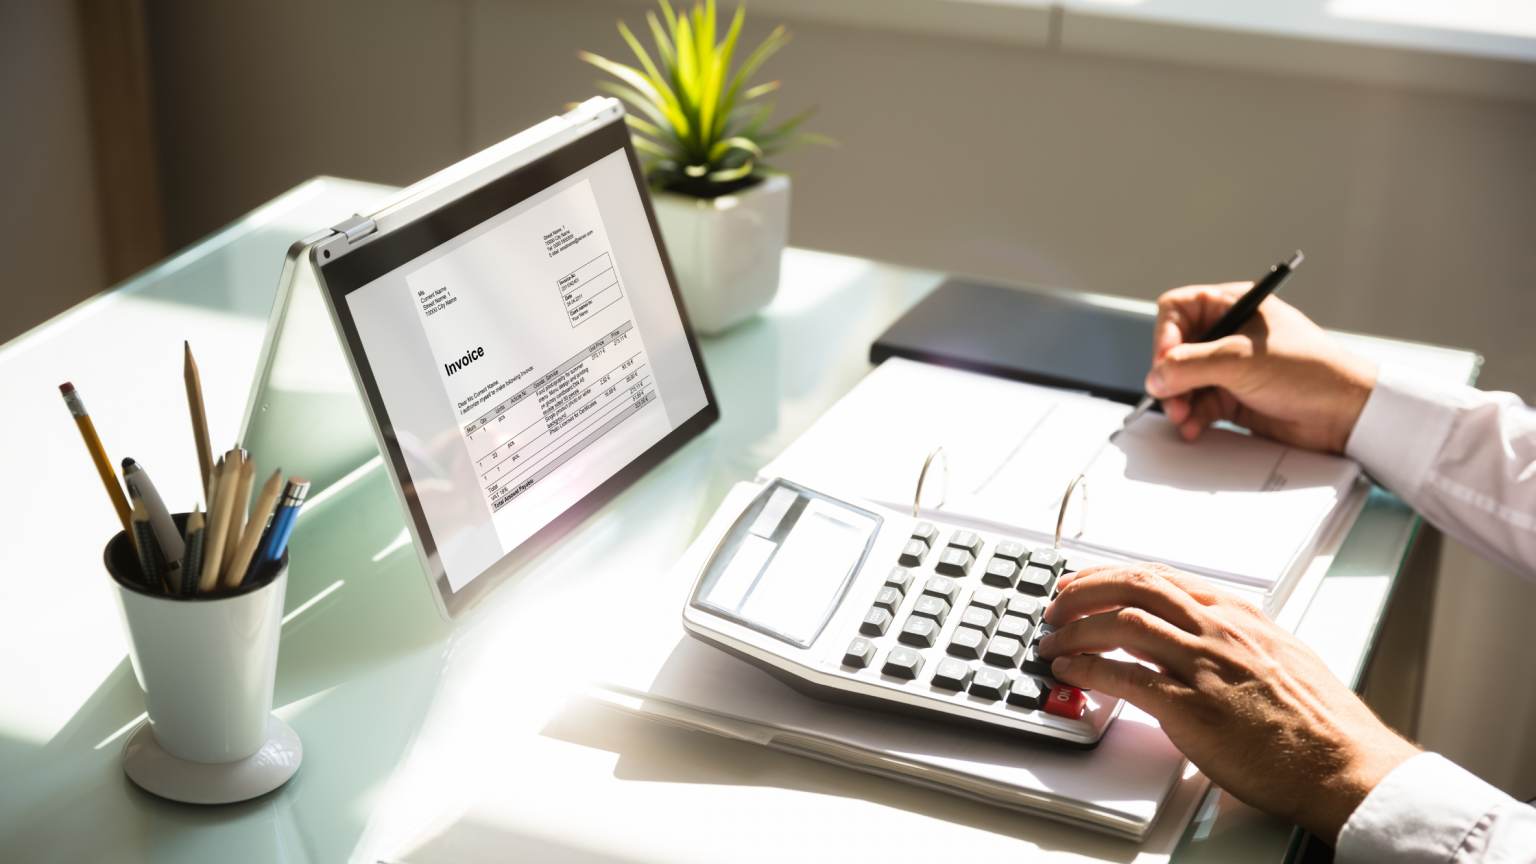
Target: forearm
[{"x": 1464, "y": 458}]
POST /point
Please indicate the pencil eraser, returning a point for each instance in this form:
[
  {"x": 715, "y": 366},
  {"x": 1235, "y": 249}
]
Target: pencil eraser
[{"x": 66, "y": 388}]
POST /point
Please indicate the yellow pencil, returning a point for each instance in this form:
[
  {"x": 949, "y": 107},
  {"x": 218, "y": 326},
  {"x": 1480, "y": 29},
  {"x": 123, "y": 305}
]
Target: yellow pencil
[
  {"x": 237, "y": 513},
  {"x": 199, "y": 420},
  {"x": 98, "y": 453},
  {"x": 217, "y": 530}
]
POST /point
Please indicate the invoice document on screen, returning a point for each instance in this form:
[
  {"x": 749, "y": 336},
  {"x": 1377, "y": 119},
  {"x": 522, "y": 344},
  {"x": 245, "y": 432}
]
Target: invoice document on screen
[
  {"x": 1229, "y": 506},
  {"x": 540, "y": 356}
]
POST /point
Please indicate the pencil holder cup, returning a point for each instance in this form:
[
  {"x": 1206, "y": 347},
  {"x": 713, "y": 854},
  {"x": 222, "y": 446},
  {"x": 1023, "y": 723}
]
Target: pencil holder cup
[{"x": 207, "y": 666}]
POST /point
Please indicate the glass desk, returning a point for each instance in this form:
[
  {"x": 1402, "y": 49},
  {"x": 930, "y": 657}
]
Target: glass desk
[{"x": 406, "y": 719}]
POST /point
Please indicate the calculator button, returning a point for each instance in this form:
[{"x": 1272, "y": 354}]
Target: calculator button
[
  {"x": 989, "y": 683},
  {"x": 1013, "y": 550},
  {"x": 955, "y": 562},
  {"x": 929, "y": 606},
  {"x": 952, "y": 674},
  {"x": 981, "y": 619},
  {"x": 1026, "y": 607},
  {"x": 967, "y": 643},
  {"x": 913, "y": 553},
  {"x": 888, "y": 599},
  {"x": 1037, "y": 581},
  {"x": 1033, "y": 663},
  {"x": 942, "y": 586},
  {"x": 899, "y": 578},
  {"x": 970, "y": 541},
  {"x": 876, "y": 622},
  {"x": 1003, "y": 651},
  {"x": 1050, "y": 559},
  {"x": 860, "y": 652},
  {"x": 990, "y": 599},
  {"x": 1001, "y": 572},
  {"x": 1068, "y": 702},
  {"x": 1015, "y": 626},
  {"x": 903, "y": 663},
  {"x": 922, "y": 632},
  {"x": 925, "y": 532},
  {"x": 1028, "y": 692}
]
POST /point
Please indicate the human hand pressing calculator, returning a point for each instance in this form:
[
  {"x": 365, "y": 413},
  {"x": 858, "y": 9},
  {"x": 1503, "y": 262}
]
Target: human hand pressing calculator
[{"x": 851, "y": 602}]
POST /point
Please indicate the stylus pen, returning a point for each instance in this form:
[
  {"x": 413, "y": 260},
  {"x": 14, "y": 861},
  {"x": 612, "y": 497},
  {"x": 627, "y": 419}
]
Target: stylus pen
[
  {"x": 1235, "y": 318},
  {"x": 276, "y": 539}
]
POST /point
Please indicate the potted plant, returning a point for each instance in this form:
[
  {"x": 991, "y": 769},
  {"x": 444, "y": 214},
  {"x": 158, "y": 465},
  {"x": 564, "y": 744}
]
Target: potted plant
[{"x": 703, "y": 133}]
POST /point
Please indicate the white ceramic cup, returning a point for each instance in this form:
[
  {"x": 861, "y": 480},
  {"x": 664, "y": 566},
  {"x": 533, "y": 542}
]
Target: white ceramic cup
[{"x": 206, "y": 666}]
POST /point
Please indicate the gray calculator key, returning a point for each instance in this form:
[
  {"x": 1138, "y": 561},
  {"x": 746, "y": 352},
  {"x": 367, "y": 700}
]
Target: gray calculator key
[
  {"x": 1016, "y": 626},
  {"x": 1050, "y": 559},
  {"x": 913, "y": 553},
  {"x": 970, "y": 541},
  {"x": 899, "y": 578},
  {"x": 925, "y": 532},
  {"x": 990, "y": 599},
  {"x": 1033, "y": 663},
  {"x": 1026, "y": 607},
  {"x": 967, "y": 643},
  {"x": 942, "y": 586},
  {"x": 1037, "y": 581},
  {"x": 954, "y": 561},
  {"x": 981, "y": 619},
  {"x": 952, "y": 674},
  {"x": 919, "y": 631},
  {"x": 929, "y": 606},
  {"x": 903, "y": 663},
  {"x": 1001, "y": 572},
  {"x": 990, "y": 683},
  {"x": 860, "y": 652},
  {"x": 888, "y": 599},
  {"x": 876, "y": 622},
  {"x": 1013, "y": 550},
  {"x": 1003, "y": 651},
  {"x": 1028, "y": 692}
]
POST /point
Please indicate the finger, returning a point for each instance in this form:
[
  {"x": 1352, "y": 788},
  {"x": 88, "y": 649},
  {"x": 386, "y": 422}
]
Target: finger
[
  {"x": 1147, "y": 689},
  {"x": 1176, "y": 409},
  {"x": 1142, "y": 634},
  {"x": 1184, "y": 314},
  {"x": 1103, "y": 589},
  {"x": 1205, "y": 407},
  {"x": 1192, "y": 366}
]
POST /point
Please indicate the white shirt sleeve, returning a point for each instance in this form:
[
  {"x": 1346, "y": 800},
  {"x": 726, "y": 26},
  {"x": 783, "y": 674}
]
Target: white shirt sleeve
[
  {"x": 1430, "y": 811},
  {"x": 1464, "y": 458}
]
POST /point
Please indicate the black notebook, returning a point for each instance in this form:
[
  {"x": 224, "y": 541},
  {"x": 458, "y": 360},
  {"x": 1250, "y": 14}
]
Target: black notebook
[{"x": 1036, "y": 335}]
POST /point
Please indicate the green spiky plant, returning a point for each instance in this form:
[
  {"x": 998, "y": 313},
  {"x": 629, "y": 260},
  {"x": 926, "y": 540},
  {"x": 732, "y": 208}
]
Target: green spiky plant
[{"x": 704, "y": 131}]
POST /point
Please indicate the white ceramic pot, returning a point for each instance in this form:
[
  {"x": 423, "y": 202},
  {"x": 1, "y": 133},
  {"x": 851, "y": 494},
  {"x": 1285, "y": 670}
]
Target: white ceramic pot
[{"x": 726, "y": 251}]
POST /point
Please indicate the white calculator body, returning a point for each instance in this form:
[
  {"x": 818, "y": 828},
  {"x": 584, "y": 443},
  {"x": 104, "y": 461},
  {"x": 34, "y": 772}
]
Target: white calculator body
[{"x": 851, "y": 602}]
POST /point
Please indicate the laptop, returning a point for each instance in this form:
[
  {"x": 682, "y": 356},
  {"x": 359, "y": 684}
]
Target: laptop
[{"x": 511, "y": 331}]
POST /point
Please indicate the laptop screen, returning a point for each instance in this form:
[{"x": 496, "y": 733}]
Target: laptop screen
[{"x": 527, "y": 360}]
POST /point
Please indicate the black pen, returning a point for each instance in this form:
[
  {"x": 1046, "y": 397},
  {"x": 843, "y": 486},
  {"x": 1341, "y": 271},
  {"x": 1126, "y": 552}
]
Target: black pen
[{"x": 1236, "y": 317}]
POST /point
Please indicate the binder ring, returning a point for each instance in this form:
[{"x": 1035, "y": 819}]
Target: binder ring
[
  {"x": 1078, "y": 481},
  {"x": 923, "y": 477}
]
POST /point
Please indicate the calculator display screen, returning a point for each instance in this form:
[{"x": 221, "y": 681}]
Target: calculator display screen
[{"x": 790, "y": 567}]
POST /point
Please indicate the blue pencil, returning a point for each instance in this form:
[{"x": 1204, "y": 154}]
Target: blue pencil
[{"x": 275, "y": 541}]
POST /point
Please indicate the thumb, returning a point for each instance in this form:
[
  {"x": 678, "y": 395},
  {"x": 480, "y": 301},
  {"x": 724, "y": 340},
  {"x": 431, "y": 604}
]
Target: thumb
[{"x": 1192, "y": 366}]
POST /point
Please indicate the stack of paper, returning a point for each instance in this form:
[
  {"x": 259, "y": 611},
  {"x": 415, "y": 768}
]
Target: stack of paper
[{"x": 1231, "y": 506}]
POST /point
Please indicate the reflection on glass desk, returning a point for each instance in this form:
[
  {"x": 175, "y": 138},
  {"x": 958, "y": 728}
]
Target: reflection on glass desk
[{"x": 405, "y": 718}]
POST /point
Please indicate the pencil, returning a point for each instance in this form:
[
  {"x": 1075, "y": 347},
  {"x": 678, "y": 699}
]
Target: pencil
[
  {"x": 199, "y": 421},
  {"x": 98, "y": 453},
  {"x": 149, "y": 556},
  {"x": 237, "y": 513},
  {"x": 235, "y": 575},
  {"x": 217, "y": 528},
  {"x": 192, "y": 564}
]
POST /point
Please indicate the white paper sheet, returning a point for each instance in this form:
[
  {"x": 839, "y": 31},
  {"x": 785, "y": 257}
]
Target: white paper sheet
[{"x": 1230, "y": 506}]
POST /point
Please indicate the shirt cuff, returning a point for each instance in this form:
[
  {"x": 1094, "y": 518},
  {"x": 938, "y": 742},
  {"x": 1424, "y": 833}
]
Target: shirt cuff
[
  {"x": 1421, "y": 813},
  {"x": 1404, "y": 426}
]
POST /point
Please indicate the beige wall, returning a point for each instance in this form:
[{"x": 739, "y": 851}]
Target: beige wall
[
  {"x": 1089, "y": 172},
  {"x": 51, "y": 254}
]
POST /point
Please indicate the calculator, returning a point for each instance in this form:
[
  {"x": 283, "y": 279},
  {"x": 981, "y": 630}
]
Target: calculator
[{"x": 850, "y": 602}]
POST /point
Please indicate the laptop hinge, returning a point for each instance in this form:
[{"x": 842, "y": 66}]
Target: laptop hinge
[{"x": 356, "y": 228}]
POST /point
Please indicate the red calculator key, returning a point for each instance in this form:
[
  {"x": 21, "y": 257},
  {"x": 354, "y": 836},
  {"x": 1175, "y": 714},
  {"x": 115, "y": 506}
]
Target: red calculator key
[{"x": 1068, "y": 702}]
